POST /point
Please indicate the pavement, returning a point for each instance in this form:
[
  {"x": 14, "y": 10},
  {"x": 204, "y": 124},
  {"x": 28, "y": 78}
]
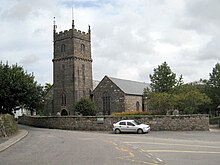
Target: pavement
[
  {"x": 214, "y": 128},
  {"x": 7, "y": 142}
]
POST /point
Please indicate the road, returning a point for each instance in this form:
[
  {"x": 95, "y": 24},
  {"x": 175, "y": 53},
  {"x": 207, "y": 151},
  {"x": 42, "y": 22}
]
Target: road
[{"x": 59, "y": 147}]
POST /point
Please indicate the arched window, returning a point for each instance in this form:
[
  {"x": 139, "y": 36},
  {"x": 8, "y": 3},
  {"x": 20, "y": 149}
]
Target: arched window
[
  {"x": 63, "y": 99},
  {"x": 137, "y": 106},
  {"x": 82, "y": 48},
  {"x": 106, "y": 103},
  {"x": 63, "y": 48}
]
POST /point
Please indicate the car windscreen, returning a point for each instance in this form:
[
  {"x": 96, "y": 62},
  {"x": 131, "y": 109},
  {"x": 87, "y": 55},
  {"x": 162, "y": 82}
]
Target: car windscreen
[{"x": 136, "y": 122}]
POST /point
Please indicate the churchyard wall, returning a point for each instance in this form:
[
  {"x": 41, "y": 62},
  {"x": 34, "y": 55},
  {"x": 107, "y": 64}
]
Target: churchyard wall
[{"x": 104, "y": 123}]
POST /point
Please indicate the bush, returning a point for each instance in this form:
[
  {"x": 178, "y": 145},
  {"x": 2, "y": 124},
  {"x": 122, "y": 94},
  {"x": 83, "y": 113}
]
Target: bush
[
  {"x": 86, "y": 107},
  {"x": 214, "y": 120},
  {"x": 128, "y": 113}
]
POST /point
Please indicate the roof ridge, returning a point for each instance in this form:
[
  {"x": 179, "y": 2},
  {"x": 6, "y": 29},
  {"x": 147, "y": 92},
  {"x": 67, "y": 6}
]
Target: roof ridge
[
  {"x": 129, "y": 86},
  {"x": 128, "y": 80}
]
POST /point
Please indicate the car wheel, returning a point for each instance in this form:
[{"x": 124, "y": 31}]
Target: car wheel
[
  {"x": 117, "y": 131},
  {"x": 139, "y": 131}
]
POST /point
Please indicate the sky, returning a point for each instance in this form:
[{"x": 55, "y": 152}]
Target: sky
[{"x": 129, "y": 37}]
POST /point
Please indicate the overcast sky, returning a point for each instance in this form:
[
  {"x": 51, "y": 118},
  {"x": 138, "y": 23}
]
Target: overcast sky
[{"x": 129, "y": 37}]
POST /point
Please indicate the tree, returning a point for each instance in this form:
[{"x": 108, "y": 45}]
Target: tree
[
  {"x": 169, "y": 94},
  {"x": 180, "y": 81},
  {"x": 163, "y": 79},
  {"x": 160, "y": 102},
  {"x": 18, "y": 89},
  {"x": 214, "y": 86},
  {"x": 214, "y": 77},
  {"x": 187, "y": 98},
  {"x": 86, "y": 107},
  {"x": 47, "y": 87},
  {"x": 190, "y": 102}
]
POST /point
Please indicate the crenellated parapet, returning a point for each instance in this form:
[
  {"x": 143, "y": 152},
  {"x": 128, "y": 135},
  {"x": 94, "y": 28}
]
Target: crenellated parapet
[{"x": 72, "y": 34}]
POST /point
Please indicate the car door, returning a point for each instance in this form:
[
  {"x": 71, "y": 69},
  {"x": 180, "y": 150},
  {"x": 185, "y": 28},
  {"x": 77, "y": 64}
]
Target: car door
[
  {"x": 131, "y": 127},
  {"x": 123, "y": 126}
]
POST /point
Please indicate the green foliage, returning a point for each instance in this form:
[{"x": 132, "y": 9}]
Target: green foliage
[
  {"x": 190, "y": 101},
  {"x": 18, "y": 89},
  {"x": 186, "y": 98},
  {"x": 214, "y": 120},
  {"x": 167, "y": 93},
  {"x": 86, "y": 107},
  {"x": 47, "y": 87},
  {"x": 180, "y": 81},
  {"x": 161, "y": 102},
  {"x": 213, "y": 89},
  {"x": 214, "y": 80},
  {"x": 163, "y": 79}
]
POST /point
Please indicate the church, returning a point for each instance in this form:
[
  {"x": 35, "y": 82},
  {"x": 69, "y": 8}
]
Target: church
[{"x": 72, "y": 79}]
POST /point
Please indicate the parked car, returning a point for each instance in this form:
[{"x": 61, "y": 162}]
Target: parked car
[{"x": 130, "y": 126}]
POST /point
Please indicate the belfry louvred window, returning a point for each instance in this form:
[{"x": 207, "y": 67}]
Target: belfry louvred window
[
  {"x": 63, "y": 48},
  {"x": 82, "y": 48}
]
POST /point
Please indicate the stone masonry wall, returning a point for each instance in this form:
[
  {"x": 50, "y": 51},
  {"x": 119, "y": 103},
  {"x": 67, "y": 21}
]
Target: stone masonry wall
[
  {"x": 104, "y": 123},
  {"x": 130, "y": 102},
  {"x": 8, "y": 125},
  {"x": 107, "y": 88},
  {"x": 72, "y": 70}
]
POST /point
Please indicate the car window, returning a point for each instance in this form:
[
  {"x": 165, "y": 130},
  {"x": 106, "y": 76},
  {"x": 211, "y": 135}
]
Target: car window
[
  {"x": 122, "y": 123},
  {"x": 136, "y": 122},
  {"x": 130, "y": 124}
]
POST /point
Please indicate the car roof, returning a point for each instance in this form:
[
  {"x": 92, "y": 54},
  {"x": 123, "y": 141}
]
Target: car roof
[{"x": 125, "y": 120}]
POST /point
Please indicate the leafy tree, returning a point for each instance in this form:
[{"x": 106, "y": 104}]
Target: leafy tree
[
  {"x": 214, "y": 80},
  {"x": 86, "y": 107},
  {"x": 214, "y": 86},
  {"x": 163, "y": 79},
  {"x": 47, "y": 87},
  {"x": 187, "y": 98},
  {"x": 160, "y": 102},
  {"x": 18, "y": 89},
  {"x": 169, "y": 94},
  {"x": 190, "y": 102}
]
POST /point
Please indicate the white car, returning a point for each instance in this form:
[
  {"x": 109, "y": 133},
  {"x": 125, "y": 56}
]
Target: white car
[{"x": 130, "y": 126}]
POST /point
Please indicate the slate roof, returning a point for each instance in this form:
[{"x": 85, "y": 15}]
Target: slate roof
[
  {"x": 130, "y": 87},
  {"x": 95, "y": 83},
  {"x": 50, "y": 93}
]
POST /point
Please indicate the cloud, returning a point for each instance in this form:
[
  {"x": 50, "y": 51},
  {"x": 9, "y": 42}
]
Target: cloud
[
  {"x": 201, "y": 12},
  {"x": 29, "y": 59},
  {"x": 211, "y": 50},
  {"x": 129, "y": 39}
]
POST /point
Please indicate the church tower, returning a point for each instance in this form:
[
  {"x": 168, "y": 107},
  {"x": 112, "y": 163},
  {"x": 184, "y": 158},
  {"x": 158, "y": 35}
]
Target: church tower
[{"x": 72, "y": 69}]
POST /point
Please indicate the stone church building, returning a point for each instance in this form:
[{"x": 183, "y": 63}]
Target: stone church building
[
  {"x": 118, "y": 95},
  {"x": 72, "y": 79}
]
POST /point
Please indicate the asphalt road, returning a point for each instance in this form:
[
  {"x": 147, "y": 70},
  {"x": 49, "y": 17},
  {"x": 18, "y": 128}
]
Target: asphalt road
[{"x": 60, "y": 147}]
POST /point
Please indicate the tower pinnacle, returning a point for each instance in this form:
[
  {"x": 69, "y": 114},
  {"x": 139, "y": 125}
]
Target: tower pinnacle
[{"x": 54, "y": 24}]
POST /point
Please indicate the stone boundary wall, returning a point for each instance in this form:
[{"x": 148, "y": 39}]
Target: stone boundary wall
[
  {"x": 104, "y": 123},
  {"x": 8, "y": 125}
]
